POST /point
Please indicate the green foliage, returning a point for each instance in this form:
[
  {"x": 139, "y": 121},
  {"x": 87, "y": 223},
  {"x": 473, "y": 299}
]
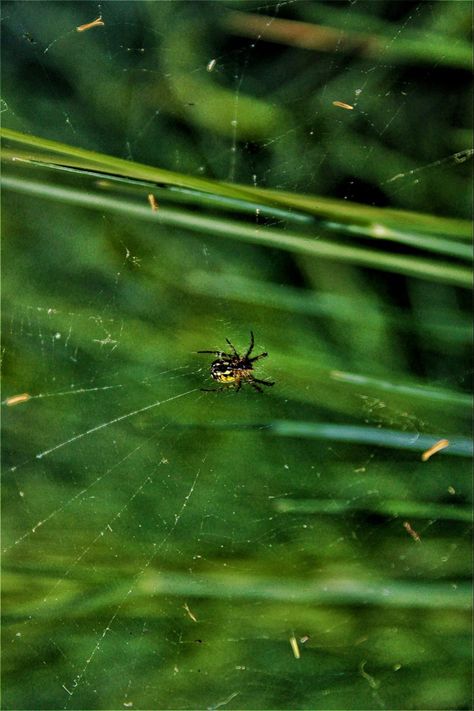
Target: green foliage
[{"x": 163, "y": 545}]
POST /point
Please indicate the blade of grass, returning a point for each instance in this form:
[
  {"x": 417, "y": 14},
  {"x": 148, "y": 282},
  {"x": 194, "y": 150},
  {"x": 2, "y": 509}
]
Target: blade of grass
[
  {"x": 355, "y": 434},
  {"x": 442, "y": 396},
  {"x": 379, "y": 437},
  {"x": 376, "y": 231},
  {"x": 418, "y": 241},
  {"x": 376, "y": 221},
  {"x": 413, "y": 48},
  {"x": 287, "y": 241},
  {"x": 412, "y": 509},
  {"x": 169, "y": 192},
  {"x": 374, "y": 217},
  {"x": 384, "y": 592},
  {"x": 259, "y": 293},
  {"x": 118, "y": 166}
]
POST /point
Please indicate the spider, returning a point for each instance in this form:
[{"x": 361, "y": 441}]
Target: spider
[{"x": 232, "y": 369}]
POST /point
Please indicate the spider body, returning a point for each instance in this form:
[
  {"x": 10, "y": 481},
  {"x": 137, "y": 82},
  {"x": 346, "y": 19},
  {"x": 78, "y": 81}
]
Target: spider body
[{"x": 233, "y": 369}]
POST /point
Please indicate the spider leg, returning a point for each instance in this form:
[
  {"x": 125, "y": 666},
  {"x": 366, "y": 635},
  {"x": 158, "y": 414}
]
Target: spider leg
[
  {"x": 232, "y": 346},
  {"x": 250, "y": 349},
  {"x": 262, "y": 355},
  {"x": 213, "y": 390},
  {"x": 238, "y": 386},
  {"x": 262, "y": 382},
  {"x": 254, "y": 385}
]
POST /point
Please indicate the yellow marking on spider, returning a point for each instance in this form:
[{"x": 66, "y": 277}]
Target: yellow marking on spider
[{"x": 232, "y": 369}]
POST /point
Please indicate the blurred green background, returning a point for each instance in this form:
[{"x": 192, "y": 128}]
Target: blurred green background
[{"x": 166, "y": 547}]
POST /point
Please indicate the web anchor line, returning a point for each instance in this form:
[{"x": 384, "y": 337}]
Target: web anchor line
[{"x": 112, "y": 422}]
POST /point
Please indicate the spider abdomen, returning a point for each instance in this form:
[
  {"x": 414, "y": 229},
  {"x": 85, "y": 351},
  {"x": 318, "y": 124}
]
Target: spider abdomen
[
  {"x": 234, "y": 369},
  {"x": 226, "y": 371}
]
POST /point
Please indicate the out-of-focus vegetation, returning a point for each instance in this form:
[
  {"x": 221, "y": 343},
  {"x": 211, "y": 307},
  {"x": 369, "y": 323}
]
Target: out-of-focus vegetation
[{"x": 166, "y": 547}]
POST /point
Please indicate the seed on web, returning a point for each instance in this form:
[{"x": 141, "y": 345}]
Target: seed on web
[
  {"x": 411, "y": 531},
  {"x": 152, "y": 201},
  {"x": 342, "y": 105},
  {"x": 294, "y": 647},
  {"x": 437, "y": 447},
  {"x": 17, "y": 399},
  {"x": 95, "y": 23}
]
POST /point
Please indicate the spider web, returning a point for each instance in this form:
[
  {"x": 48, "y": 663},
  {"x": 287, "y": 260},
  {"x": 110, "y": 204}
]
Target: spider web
[{"x": 166, "y": 547}]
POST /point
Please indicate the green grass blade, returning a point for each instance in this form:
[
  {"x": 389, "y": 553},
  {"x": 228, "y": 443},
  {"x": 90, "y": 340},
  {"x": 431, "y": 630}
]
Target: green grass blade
[
  {"x": 287, "y": 241},
  {"x": 379, "y": 437},
  {"x": 392, "y": 508}
]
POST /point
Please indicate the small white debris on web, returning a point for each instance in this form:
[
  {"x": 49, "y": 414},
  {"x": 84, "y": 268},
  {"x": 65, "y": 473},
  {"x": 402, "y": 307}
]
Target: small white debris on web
[
  {"x": 191, "y": 615},
  {"x": 411, "y": 531},
  {"x": 373, "y": 683}
]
